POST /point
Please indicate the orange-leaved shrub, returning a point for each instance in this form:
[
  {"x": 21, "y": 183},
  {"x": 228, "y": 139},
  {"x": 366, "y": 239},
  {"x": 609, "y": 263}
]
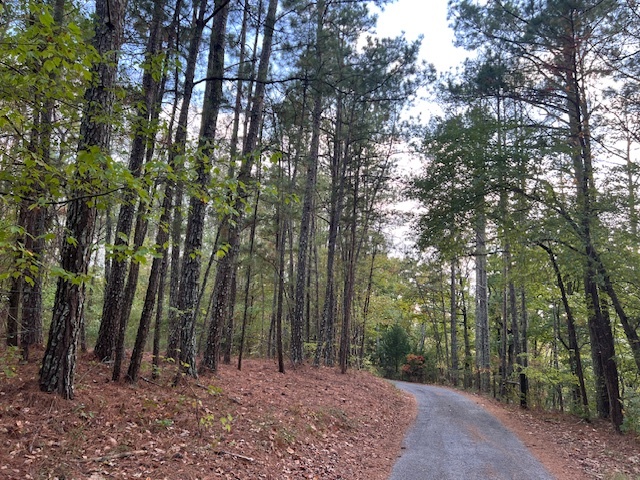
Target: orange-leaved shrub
[{"x": 414, "y": 368}]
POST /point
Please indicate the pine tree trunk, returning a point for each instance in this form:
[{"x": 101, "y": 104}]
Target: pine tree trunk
[
  {"x": 603, "y": 350},
  {"x": 155, "y": 280},
  {"x": 113, "y": 322},
  {"x": 13, "y": 313},
  {"x": 574, "y": 350},
  {"x": 227, "y": 264},
  {"x": 247, "y": 288},
  {"x": 31, "y": 325},
  {"x": 190, "y": 273},
  {"x": 58, "y": 364},
  {"x": 176, "y": 151},
  {"x": 483, "y": 364},
  {"x": 303, "y": 239},
  {"x": 453, "y": 314},
  {"x": 468, "y": 358},
  {"x": 349, "y": 281},
  {"x": 280, "y": 246},
  {"x": 325, "y": 348},
  {"x": 524, "y": 350}
]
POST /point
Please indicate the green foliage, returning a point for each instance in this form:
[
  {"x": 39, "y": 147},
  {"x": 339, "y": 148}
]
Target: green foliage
[
  {"x": 631, "y": 423},
  {"x": 9, "y": 360},
  {"x": 456, "y": 180},
  {"x": 226, "y": 422},
  {"x": 210, "y": 420},
  {"x": 394, "y": 346},
  {"x": 164, "y": 423}
]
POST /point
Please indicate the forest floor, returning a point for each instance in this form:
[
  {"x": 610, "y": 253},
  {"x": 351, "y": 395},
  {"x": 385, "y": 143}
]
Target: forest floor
[{"x": 311, "y": 423}]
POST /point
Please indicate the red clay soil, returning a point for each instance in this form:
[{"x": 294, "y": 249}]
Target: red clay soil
[{"x": 309, "y": 423}]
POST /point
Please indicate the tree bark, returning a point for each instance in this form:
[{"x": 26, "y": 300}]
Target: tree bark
[
  {"x": 190, "y": 273},
  {"x": 483, "y": 364},
  {"x": 603, "y": 350},
  {"x": 113, "y": 323},
  {"x": 175, "y": 152},
  {"x": 453, "y": 315},
  {"x": 58, "y": 364},
  {"x": 227, "y": 264},
  {"x": 574, "y": 350}
]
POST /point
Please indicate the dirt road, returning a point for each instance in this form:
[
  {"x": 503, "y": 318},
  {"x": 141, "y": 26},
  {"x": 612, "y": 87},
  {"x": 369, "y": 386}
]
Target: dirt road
[{"x": 455, "y": 439}]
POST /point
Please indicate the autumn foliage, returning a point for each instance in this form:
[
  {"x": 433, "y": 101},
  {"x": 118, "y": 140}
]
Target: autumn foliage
[{"x": 414, "y": 369}]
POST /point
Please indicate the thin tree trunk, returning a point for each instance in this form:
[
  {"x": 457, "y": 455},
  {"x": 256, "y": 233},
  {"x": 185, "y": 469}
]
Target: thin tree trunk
[
  {"x": 367, "y": 301},
  {"x": 325, "y": 349},
  {"x": 349, "y": 282},
  {"x": 190, "y": 272},
  {"x": 453, "y": 315},
  {"x": 227, "y": 264},
  {"x": 13, "y": 314},
  {"x": 554, "y": 361},
  {"x": 280, "y": 287},
  {"x": 574, "y": 350},
  {"x": 504, "y": 330},
  {"x": 468, "y": 358},
  {"x": 113, "y": 323},
  {"x": 483, "y": 364},
  {"x": 228, "y": 348},
  {"x": 153, "y": 286},
  {"x": 603, "y": 348},
  {"x": 156, "y": 328},
  {"x": 524, "y": 352},
  {"x": 247, "y": 288},
  {"x": 175, "y": 152}
]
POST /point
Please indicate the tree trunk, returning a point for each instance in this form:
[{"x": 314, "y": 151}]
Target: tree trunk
[
  {"x": 603, "y": 350},
  {"x": 247, "y": 288},
  {"x": 280, "y": 247},
  {"x": 325, "y": 348},
  {"x": 227, "y": 264},
  {"x": 297, "y": 321},
  {"x": 31, "y": 325},
  {"x": 190, "y": 273},
  {"x": 349, "y": 281},
  {"x": 524, "y": 351},
  {"x": 58, "y": 364},
  {"x": 113, "y": 323},
  {"x": 36, "y": 215},
  {"x": 483, "y": 364},
  {"x": 228, "y": 348},
  {"x": 153, "y": 287},
  {"x": 574, "y": 350},
  {"x": 13, "y": 314},
  {"x": 176, "y": 151},
  {"x": 453, "y": 314}
]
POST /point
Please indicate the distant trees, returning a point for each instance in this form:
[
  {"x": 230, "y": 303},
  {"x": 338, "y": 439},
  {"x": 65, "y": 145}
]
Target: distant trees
[
  {"x": 543, "y": 183},
  {"x": 394, "y": 347},
  {"x": 169, "y": 173},
  {"x": 239, "y": 204}
]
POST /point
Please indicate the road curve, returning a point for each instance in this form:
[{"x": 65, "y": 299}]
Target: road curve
[{"x": 455, "y": 439}]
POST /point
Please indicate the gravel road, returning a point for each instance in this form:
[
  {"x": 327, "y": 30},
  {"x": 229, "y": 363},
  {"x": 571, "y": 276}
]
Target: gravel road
[{"x": 453, "y": 438}]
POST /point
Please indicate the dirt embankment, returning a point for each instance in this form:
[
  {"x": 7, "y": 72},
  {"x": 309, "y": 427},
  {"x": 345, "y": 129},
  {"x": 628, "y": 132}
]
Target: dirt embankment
[{"x": 256, "y": 424}]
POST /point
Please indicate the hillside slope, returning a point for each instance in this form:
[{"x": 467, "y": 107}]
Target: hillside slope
[{"x": 309, "y": 423}]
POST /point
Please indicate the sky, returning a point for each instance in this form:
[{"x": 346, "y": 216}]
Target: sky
[{"x": 429, "y": 19}]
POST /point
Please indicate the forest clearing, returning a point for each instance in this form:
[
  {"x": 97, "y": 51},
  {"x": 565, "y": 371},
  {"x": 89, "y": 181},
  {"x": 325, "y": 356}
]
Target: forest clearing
[{"x": 310, "y": 423}]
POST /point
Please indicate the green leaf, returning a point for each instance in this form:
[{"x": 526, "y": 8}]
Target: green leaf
[{"x": 46, "y": 19}]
